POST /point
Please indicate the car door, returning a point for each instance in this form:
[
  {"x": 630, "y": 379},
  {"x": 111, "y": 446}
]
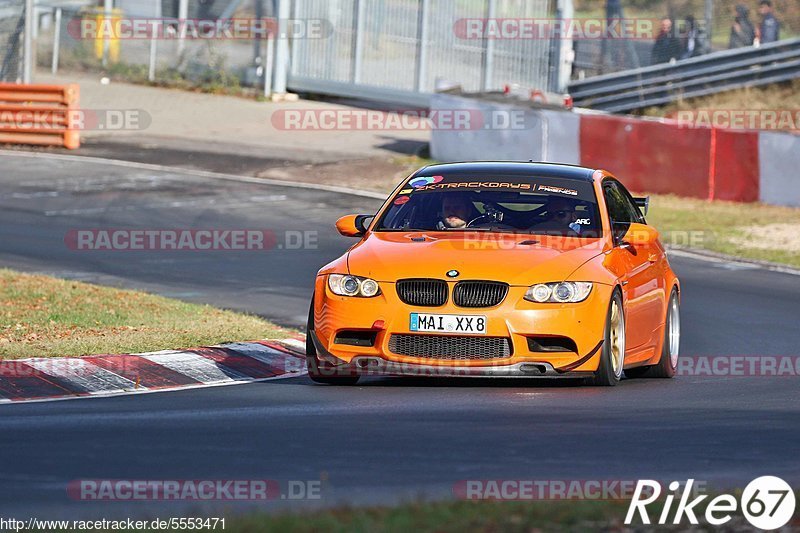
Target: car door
[{"x": 640, "y": 281}]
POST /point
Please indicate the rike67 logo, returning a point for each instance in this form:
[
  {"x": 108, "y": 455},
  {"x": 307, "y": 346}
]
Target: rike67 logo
[{"x": 768, "y": 503}]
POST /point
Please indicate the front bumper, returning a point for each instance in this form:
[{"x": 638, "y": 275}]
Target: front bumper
[{"x": 515, "y": 319}]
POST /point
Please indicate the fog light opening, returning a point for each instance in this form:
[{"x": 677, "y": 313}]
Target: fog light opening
[{"x": 532, "y": 368}]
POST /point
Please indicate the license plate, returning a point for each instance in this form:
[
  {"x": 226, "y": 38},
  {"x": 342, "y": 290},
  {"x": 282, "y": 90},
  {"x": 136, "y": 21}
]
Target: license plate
[{"x": 448, "y": 323}]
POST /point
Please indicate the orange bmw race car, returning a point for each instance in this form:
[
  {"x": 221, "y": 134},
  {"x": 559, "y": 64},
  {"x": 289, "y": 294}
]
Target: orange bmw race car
[{"x": 498, "y": 269}]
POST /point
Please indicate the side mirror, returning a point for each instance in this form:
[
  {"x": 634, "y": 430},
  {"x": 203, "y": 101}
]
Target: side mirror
[
  {"x": 639, "y": 235},
  {"x": 353, "y": 225}
]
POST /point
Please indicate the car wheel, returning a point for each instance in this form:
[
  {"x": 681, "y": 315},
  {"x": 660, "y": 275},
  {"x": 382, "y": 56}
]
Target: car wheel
[
  {"x": 320, "y": 371},
  {"x": 670, "y": 349},
  {"x": 612, "y": 357}
]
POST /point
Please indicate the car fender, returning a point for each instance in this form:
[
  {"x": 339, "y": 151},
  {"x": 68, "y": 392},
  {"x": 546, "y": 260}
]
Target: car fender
[{"x": 599, "y": 269}]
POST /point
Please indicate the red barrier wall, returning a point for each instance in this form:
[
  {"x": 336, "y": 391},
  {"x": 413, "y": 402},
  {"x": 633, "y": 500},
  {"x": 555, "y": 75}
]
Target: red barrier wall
[
  {"x": 737, "y": 173},
  {"x": 661, "y": 157},
  {"x": 648, "y": 156}
]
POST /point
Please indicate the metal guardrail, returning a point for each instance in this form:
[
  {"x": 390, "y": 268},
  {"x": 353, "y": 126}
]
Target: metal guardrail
[
  {"x": 700, "y": 76},
  {"x": 385, "y": 95}
]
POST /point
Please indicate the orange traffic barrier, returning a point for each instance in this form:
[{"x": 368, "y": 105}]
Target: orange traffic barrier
[{"x": 39, "y": 114}]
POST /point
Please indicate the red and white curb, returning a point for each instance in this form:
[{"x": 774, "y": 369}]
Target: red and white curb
[{"x": 40, "y": 379}]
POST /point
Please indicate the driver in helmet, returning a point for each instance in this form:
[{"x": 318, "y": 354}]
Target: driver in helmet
[
  {"x": 457, "y": 211},
  {"x": 564, "y": 212}
]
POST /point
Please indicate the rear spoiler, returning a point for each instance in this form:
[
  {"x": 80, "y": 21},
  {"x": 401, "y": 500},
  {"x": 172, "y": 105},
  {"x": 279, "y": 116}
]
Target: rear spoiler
[{"x": 644, "y": 203}]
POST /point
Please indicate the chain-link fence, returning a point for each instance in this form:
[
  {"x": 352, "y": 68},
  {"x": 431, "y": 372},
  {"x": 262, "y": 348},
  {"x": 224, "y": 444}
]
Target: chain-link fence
[
  {"x": 409, "y": 44},
  {"x": 145, "y": 40},
  {"x": 387, "y": 45},
  {"x": 12, "y": 24},
  {"x": 404, "y": 45},
  {"x": 709, "y": 25}
]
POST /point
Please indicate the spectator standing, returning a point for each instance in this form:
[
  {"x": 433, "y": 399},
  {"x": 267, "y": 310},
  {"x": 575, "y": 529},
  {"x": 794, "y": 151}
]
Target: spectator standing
[
  {"x": 667, "y": 47},
  {"x": 613, "y": 9},
  {"x": 696, "y": 41},
  {"x": 743, "y": 33},
  {"x": 611, "y": 52},
  {"x": 769, "y": 31}
]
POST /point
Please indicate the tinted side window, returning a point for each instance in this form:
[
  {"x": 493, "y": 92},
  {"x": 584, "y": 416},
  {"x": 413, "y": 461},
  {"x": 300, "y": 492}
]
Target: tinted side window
[
  {"x": 618, "y": 208},
  {"x": 621, "y": 210},
  {"x": 636, "y": 213}
]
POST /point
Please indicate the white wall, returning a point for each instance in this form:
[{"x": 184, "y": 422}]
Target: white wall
[
  {"x": 522, "y": 132},
  {"x": 779, "y": 165}
]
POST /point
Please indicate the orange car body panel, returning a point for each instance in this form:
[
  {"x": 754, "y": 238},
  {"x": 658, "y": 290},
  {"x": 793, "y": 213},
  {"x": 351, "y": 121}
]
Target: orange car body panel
[{"x": 641, "y": 272}]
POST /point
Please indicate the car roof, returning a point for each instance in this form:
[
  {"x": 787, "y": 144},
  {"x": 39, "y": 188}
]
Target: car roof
[{"x": 550, "y": 170}]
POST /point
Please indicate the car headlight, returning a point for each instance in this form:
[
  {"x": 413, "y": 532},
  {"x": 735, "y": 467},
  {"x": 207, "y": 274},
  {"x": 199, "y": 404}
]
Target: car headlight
[
  {"x": 563, "y": 292},
  {"x": 346, "y": 285}
]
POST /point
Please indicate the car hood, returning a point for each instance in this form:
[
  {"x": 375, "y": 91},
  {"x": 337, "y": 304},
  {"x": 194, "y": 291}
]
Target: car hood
[{"x": 512, "y": 258}]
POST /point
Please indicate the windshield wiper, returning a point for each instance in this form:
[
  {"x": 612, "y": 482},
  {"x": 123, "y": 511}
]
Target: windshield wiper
[
  {"x": 492, "y": 229},
  {"x": 405, "y": 229},
  {"x": 455, "y": 230}
]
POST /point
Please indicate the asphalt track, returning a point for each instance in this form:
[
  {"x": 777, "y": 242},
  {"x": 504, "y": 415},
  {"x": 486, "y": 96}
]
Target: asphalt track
[{"x": 386, "y": 439}]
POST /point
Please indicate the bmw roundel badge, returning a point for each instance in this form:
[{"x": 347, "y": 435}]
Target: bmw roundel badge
[{"x": 452, "y": 273}]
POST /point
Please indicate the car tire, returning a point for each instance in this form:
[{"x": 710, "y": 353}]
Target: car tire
[
  {"x": 668, "y": 363},
  {"x": 320, "y": 371},
  {"x": 612, "y": 357}
]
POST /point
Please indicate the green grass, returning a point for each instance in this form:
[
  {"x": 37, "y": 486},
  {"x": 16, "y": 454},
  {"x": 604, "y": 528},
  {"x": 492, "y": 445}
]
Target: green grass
[
  {"x": 454, "y": 517},
  {"x": 723, "y": 227},
  {"x": 776, "y": 97},
  {"x": 484, "y": 515},
  {"x": 41, "y": 316}
]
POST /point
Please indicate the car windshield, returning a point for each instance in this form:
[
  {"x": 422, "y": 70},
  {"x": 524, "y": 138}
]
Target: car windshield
[{"x": 514, "y": 204}]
